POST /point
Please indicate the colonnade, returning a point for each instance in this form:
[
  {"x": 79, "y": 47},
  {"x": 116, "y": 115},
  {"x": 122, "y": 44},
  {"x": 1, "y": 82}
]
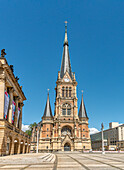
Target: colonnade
[
  {"x": 17, "y": 146},
  {"x": 17, "y": 120}
]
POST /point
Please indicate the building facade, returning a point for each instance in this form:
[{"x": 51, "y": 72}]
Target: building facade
[
  {"x": 67, "y": 129},
  {"x": 12, "y": 139},
  {"x": 113, "y": 138}
]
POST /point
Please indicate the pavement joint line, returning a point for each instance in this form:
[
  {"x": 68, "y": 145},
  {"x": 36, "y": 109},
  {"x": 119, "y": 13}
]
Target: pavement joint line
[
  {"x": 26, "y": 167},
  {"x": 101, "y": 162},
  {"x": 55, "y": 163},
  {"x": 79, "y": 163},
  {"x": 109, "y": 158}
]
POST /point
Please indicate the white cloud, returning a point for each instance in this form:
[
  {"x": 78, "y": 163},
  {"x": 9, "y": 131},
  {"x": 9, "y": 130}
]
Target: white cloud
[
  {"x": 93, "y": 130},
  {"x": 25, "y": 127}
]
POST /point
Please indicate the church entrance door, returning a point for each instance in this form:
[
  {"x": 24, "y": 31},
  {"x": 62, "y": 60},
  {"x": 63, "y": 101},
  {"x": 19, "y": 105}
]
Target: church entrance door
[{"x": 67, "y": 147}]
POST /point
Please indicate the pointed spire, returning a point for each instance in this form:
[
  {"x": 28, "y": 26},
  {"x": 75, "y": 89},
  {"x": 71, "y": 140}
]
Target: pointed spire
[
  {"x": 47, "y": 111},
  {"x": 82, "y": 111},
  {"x": 65, "y": 65},
  {"x": 66, "y": 39}
]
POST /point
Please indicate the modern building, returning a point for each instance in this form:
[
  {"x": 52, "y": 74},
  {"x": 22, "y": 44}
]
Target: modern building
[
  {"x": 67, "y": 129},
  {"x": 113, "y": 138},
  {"x": 12, "y": 139}
]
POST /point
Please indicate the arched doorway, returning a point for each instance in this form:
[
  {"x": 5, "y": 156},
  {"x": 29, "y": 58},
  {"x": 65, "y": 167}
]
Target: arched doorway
[
  {"x": 9, "y": 145},
  {"x": 67, "y": 147},
  {"x": 21, "y": 146},
  {"x": 16, "y": 145},
  {"x": 26, "y": 147}
]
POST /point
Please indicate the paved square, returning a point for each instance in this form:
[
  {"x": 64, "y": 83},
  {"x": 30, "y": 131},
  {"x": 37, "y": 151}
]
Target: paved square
[{"x": 62, "y": 161}]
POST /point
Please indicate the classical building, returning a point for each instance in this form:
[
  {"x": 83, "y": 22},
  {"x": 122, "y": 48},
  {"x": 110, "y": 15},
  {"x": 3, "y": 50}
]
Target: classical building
[
  {"x": 113, "y": 138},
  {"x": 67, "y": 129},
  {"x": 12, "y": 139}
]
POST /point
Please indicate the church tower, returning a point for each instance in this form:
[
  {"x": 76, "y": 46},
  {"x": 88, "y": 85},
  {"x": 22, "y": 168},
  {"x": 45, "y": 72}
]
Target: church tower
[{"x": 67, "y": 130}]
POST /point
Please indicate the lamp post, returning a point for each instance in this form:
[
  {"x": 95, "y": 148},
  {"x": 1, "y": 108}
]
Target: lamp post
[
  {"x": 37, "y": 137},
  {"x": 102, "y": 127}
]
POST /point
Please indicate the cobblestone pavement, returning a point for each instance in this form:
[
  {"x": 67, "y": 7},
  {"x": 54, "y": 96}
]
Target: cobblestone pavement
[{"x": 62, "y": 161}]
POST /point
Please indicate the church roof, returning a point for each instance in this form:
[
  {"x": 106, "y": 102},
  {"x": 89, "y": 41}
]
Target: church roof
[
  {"x": 48, "y": 111},
  {"x": 65, "y": 65},
  {"x": 82, "y": 111}
]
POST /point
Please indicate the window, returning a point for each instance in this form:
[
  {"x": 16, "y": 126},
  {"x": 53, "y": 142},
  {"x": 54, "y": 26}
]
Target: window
[
  {"x": 66, "y": 91},
  {"x": 83, "y": 129},
  {"x": 69, "y": 91},
  {"x": 66, "y": 109},
  {"x": 47, "y": 147},
  {"x": 62, "y": 91},
  {"x": 84, "y": 147},
  {"x": 83, "y": 135},
  {"x": 66, "y": 130},
  {"x": 47, "y": 129},
  {"x": 47, "y": 135},
  {"x": 63, "y": 111}
]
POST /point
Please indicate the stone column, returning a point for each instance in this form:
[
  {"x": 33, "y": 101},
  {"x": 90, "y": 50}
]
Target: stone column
[
  {"x": 2, "y": 91},
  {"x": 11, "y": 90},
  {"x": 19, "y": 146},
  {"x": 20, "y": 116},
  {"x": 12, "y": 147},
  {"x": 16, "y": 111},
  {"x": 23, "y": 147}
]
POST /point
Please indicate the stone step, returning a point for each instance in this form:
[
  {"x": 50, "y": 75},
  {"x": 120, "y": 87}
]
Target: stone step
[
  {"x": 50, "y": 158},
  {"x": 46, "y": 158}
]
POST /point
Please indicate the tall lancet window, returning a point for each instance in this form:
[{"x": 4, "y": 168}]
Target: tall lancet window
[
  {"x": 69, "y": 91},
  {"x": 62, "y": 91},
  {"x": 66, "y": 91}
]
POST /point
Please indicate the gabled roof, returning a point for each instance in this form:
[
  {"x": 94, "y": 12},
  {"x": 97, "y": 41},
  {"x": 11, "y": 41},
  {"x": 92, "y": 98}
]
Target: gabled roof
[
  {"x": 48, "y": 111},
  {"x": 82, "y": 111},
  {"x": 65, "y": 65}
]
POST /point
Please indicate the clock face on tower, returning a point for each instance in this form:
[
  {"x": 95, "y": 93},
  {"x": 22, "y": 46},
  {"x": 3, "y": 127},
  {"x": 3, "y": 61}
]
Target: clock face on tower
[{"x": 66, "y": 79}]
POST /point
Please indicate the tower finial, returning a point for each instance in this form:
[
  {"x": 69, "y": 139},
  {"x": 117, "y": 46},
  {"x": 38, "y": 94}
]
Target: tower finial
[
  {"x": 48, "y": 90},
  {"x": 66, "y": 41},
  {"x": 66, "y": 26}
]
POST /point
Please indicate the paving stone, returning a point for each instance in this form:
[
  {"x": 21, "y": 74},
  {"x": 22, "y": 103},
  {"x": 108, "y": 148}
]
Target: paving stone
[
  {"x": 13, "y": 166},
  {"x": 41, "y": 166}
]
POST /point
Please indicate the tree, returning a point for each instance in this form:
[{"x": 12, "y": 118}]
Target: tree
[{"x": 29, "y": 132}]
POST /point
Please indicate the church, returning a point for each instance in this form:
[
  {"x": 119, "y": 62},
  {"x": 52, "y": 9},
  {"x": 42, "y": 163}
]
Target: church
[{"x": 66, "y": 130}]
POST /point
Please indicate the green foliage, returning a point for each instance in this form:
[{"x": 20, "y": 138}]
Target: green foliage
[
  {"x": 29, "y": 132},
  {"x": 32, "y": 125}
]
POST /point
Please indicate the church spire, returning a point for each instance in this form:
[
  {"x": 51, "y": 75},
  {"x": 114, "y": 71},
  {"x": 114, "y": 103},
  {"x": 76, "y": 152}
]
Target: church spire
[
  {"x": 47, "y": 111},
  {"x": 66, "y": 39},
  {"x": 82, "y": 111},
  {"x": 65, "y": 65}
]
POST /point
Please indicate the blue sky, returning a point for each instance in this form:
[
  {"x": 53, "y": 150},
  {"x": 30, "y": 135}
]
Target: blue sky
[{"x": 32, "y": 32}]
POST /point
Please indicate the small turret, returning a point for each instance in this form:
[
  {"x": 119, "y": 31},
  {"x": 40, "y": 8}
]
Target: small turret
[
  {"x": 48, "y": 111},
  {"x": 82, "y": 111}
]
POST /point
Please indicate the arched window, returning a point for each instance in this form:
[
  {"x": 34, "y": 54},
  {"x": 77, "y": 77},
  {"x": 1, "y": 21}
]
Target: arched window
[
  {"x": 69, "y": 91},
  {"x": 66, "y": 91},
  {"x": 62, "y": 91},
  {"x": 66, "y": 130},
  {"x": 66, "y": 109}
]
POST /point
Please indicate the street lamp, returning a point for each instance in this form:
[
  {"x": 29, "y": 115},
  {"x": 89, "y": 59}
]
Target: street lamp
[
  {"x": 102, "y": 127},
  {"x": 38, "y": 126}
]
